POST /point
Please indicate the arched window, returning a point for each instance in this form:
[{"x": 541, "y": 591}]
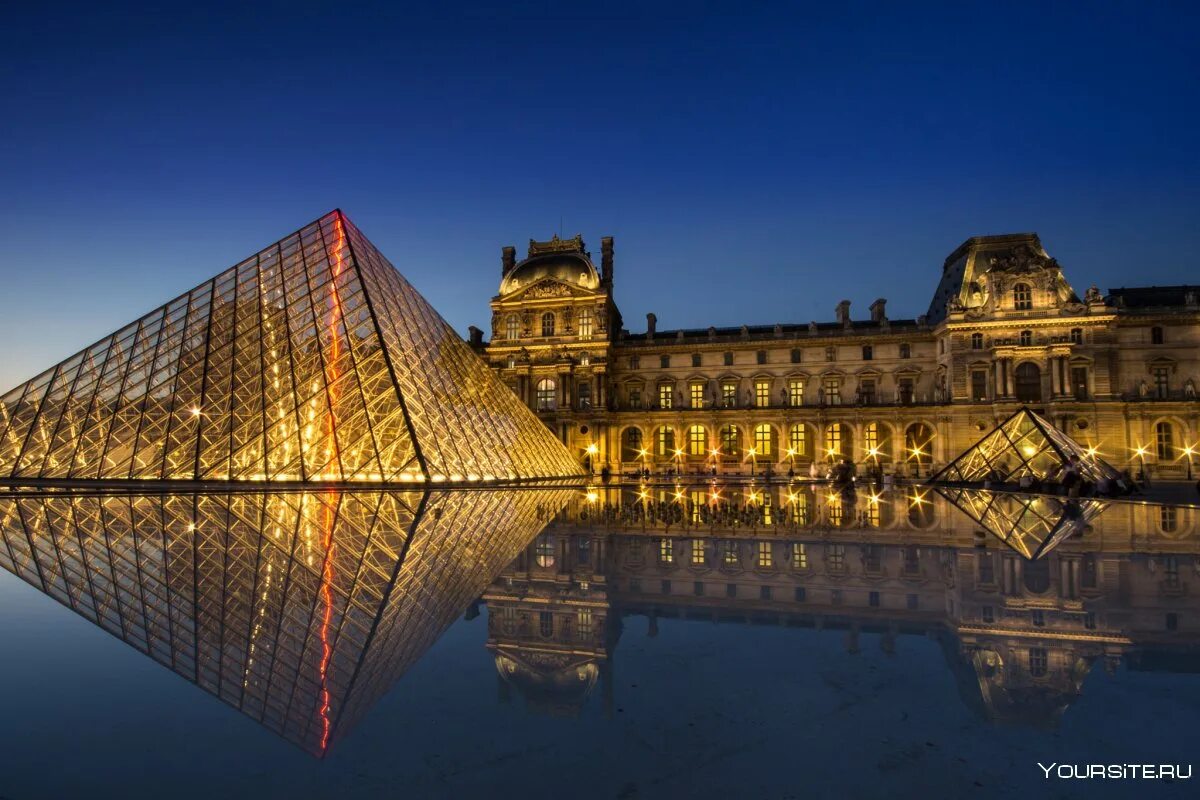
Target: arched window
[
  {"x": 548, "y": 324},
  {"x": 877, "y": 442},
  {"x": 1026, "y": 338},
  {"x": 585, "y": 358},
  {"x": 697, "y": 441},
  {"x": 664, "y": 441},
  {"x": 512, "y": 327},
  {"x": 631, "y": 444},
  {"x": 836, "y": 441},
  {"x": 918, "y": 445},
  {"x": 1028, "y": 382},
  {"x": 585, "y": 323},
  {"x": 547, "y": 398},
  {"x": 1164, "y": 441},
  {"x": 798, "y": 440},
  {"x": 731, "y": 440},
  {"x": 976, "y": 341},
  {"x": 1022, "y": 297},
  {"x": 764, "y": 439}
]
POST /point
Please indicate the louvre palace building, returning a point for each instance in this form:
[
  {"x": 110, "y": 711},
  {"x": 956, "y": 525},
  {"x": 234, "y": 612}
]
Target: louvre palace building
[{"x": 1116, "y": 371}]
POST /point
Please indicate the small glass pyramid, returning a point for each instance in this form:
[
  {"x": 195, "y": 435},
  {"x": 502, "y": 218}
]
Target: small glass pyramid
[
  {"x": 1031, "y": 524},
  {"x": 313, "y": 360},
  {"x": 1023, "y": 445}
]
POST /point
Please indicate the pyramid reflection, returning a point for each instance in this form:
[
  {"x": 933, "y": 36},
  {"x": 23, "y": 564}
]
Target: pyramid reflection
[
  {"x": 1031, "y": 524},
  {"x": 297, "y": 609}
]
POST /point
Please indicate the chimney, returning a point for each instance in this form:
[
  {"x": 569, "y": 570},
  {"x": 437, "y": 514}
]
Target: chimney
[
  {"x": 843, "y": 313},
  {"x": 651, "y": 324},
  {"x": 879, "y": 310},
  {"x": 606, "y": 259},
  {"x": 476, "y": 337},
  {"x": 508, "y": 260}
]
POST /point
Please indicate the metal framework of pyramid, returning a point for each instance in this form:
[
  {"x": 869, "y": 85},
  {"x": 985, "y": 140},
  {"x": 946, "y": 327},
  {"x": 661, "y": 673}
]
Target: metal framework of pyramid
[
  {"x": 1030, "y": 524},
  {"x": 312, "y": 360},
  {"x": 1023, "y": 445}
]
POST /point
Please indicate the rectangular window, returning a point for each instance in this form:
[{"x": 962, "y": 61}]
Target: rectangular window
[
  {"x": 762, "y": 394},
  {"x": 801, "y": 594},
  {"x": 697, "y": 438},
  {"x": 987, "y": 568},
  {"x": 835, "y": 557},
  {"x": 666, "y": 587},
  {"x": 795, "y": 392},
  {"x": 583, "y": 624},
  {"x": 731, "y": 553},
  {"x": 761, "y": 356},
  {"x": 799, "y": 556},
  {"x": 1038, "y": 661},
  {"x": 635, "y": 397},
  {"x": 666, "y": 395},
  {"x": 829, "y": 353},
  {"x": 866, "y": 391},
  {"x": 873, "y": 599},
  {"x": 1079, "y": 382},
  {"x": 635, "y": 362},
  {"x": 731, "y": 590},
  {"x": 988, "y": 614},
  {"x": 666, "y": 551},
  {"x": 833, "y": 392},
  {"x": 585, "y": 324},
  {"x": 664, "y": 362},
  {"x": 696, "y": 359},
  {"x": 979, "y": 384},
  {"x": 765, "y": 558},
  {"x": 764, "y": 593},
  {"x": 868, "y": 352},
  {"x": 696, "y": 395},
  {"x": 698, "y": 552},
  {"x": 698, "y": 588},
  {"x": 796, "y": 355},
  {"x": 906, "y": 390},
  {"x": 1162, "y": 382},
  {"x": 729, "y": 393},
  {"x": 546, "y": 624},
  {"x": 912, "y": 601},
  {"x": 729, "y": 359}
]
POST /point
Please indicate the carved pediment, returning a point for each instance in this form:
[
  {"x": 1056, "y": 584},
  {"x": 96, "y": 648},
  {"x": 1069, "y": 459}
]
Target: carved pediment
[
  {"x": 1022, "y": 259},
  {"x": 549, "y": 289}
]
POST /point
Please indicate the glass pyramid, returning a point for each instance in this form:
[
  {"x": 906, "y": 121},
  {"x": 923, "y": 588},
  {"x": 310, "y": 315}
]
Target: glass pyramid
[
  {"x": 1023, "y": 445},
  {"x": 1031, "y": 524},
  {"x": 298, "y": 609},
  {"x": 313, "y": 360}
]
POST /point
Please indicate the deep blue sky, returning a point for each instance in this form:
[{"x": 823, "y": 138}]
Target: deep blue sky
[{"x": 756, "y": 163}]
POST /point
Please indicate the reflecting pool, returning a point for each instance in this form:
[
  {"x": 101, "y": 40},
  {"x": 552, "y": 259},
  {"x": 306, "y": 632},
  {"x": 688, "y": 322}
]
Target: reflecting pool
[{"x": 647, "y": 641}]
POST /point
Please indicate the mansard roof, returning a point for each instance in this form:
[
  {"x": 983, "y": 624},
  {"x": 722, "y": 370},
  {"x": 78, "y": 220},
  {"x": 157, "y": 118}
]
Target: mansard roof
[
  {"x": 1139, "y": 297},
  {"x": 765, "y": 333}
]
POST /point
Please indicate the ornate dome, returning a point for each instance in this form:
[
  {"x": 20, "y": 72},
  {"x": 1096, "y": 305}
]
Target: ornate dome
[{"x": 560, "y": 260}]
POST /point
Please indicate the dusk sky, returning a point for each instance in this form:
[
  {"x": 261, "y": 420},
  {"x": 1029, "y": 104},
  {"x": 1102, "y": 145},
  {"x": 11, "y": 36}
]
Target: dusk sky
[{"x": 756, "y": 163}]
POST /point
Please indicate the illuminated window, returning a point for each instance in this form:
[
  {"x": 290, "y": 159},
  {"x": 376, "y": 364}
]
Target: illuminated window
[
  {"x": 548, "y": 324},
  {"x": 585, "y": 323},
  {"x": 763, "y": 436},
  {"x": 664, "y": 441},
  {"x": 1164, "y": 441},
  {"x": 697, "y": 439},
  {"x": 799, "y": 556},
  {"x": 833, "y": 391},
  {"x": 583, "y": 624},
  {"x": 698, "y": 552},
  {"x": 906, "y": 350},
  {"x": 762, "y": 394},
  {"x": 731, "y": 440},
  {"x": 795, "y": 392},
  {"x": 1026, "y": 338},
  {"x": 798, "y": 439},
  {"x": 543, "y": 551},
  {"x": 547, "y": 398},
  {"x": 765, "y": 557},
  {"x": 729, "y": 393},
  {"x": 696, "y": 395},
  {"x": 585, "y": 359},
  {"x": 731, "y": 552},
  {"x": 512, "y": 327},
  {"x": 976, "y": 341},
  {"x": 1076, "y": 335},
  {"x": 1022, "y": 297},
  {"x": 664, "y": 362},
  {"x": 833, "y": 439},
  {"x": 666, "y": 552},
  {"x": 871, "y": 438},
  {"x": 666, "y": 395},
  {"x": 868, "y": 352},
  {"x": 696, "y": 360}
]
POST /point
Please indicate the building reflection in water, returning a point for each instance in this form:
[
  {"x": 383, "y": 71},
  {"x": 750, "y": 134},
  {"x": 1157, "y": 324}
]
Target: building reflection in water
[
  {"x": 297, "y": 609},
  {"x": 1019, "y": 633}
]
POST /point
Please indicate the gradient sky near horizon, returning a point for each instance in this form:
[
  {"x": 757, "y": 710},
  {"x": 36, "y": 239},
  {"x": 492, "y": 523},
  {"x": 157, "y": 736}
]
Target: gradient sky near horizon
[{"x": 755, "y": 162}]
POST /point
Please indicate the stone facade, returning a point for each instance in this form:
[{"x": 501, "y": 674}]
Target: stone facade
[{"x": 1116, "y": 371}]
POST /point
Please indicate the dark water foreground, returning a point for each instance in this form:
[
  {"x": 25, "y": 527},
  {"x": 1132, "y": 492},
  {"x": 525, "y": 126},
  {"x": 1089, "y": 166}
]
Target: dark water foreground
[{"x": 801, "y": 644}]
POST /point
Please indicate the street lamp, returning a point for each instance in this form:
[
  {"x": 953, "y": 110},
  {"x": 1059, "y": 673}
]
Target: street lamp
[
  {"x": 753, "y": 460},
  {"x": 1187, "y": 451},
  {"x": 1140, "y": 452}
]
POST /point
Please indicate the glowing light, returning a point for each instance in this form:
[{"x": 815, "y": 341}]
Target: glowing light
[
  {"x": 592, "y": 496},
  {"x": 195, "y": 411},
  {"x": 592, "y": 449}
]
